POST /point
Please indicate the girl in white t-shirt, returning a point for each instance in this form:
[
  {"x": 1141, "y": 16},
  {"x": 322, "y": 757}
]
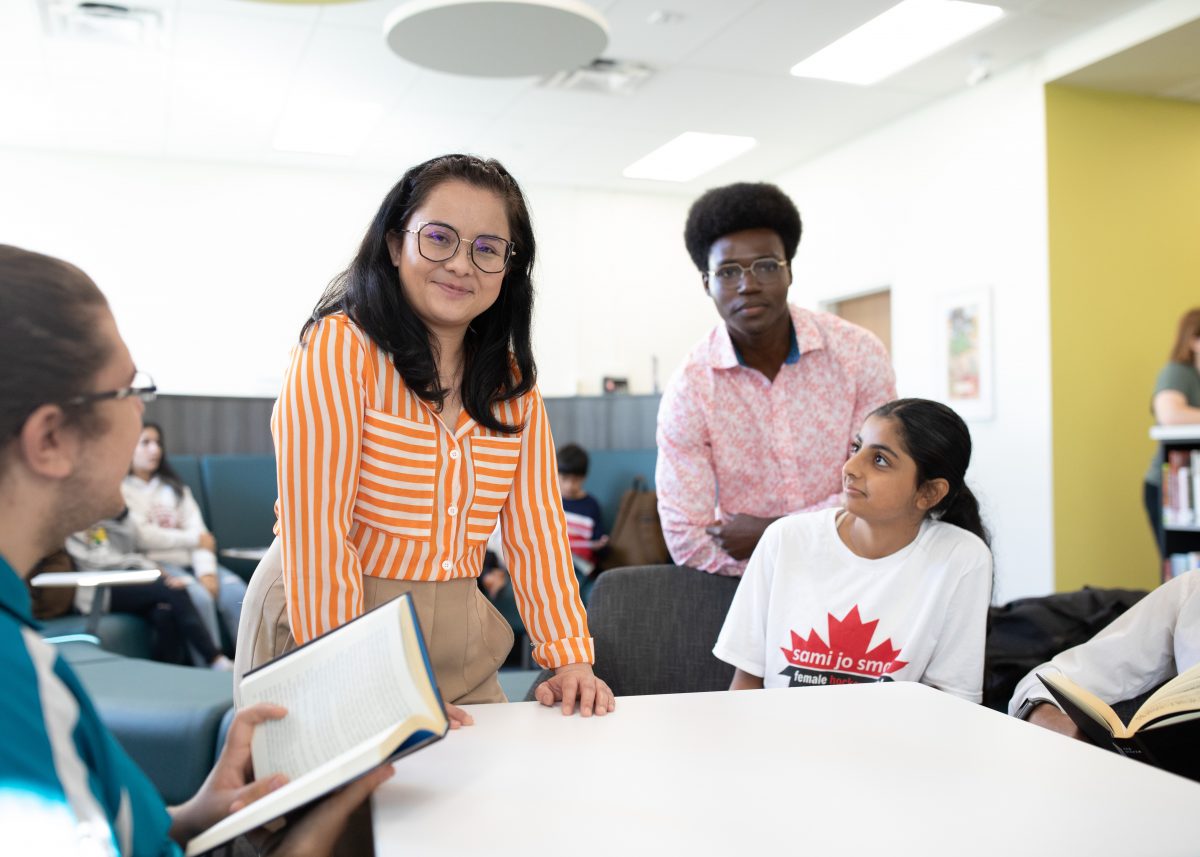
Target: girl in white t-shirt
[{"x": 894, "y": 586}]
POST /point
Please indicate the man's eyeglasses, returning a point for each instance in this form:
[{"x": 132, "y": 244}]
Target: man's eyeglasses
[
  {"x": 438, "y": 242},
  {"x": 766, "y": 272},
  {"x": 142, "y": 387}
]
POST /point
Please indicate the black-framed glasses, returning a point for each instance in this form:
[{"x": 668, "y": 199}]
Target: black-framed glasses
[
  {"x": 438, "y": 242},
  {"x": 143, "y": 387},
  {"x": 766, "y": 271}
]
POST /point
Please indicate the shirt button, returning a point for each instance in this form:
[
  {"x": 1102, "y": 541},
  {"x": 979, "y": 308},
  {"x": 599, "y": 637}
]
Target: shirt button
[
  {"x": 453, "y": 510},
  {"x": 447, "y": 565},
  {"x": 454, "y": 453}
]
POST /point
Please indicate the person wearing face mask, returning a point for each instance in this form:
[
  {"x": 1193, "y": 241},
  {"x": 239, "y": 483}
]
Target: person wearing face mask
[{"x": 170, "y": 531}]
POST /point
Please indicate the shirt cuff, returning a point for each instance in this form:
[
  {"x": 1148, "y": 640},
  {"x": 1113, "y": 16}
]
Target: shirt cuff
[{"x": 561, "y": 653}]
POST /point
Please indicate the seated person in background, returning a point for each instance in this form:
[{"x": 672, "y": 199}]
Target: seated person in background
[
  {"x": 774, "y": 389},
  {"x": 180, "y": 634},
  {"x": 170, "y": 531},
  {"x": 70, "y": 412},
  {"x": 585, "y": 526},
  {"x": 894, "y": 586},
  {"x": 1152, "y": 642}
]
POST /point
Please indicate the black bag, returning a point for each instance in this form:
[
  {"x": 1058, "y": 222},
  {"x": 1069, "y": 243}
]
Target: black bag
[{"x": 1030, "y": 631}]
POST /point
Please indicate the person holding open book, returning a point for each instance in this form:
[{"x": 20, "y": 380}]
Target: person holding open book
[
  {"x": 410, "y": 423},
  {"x": 71, "y": 407},
  {"x": 1151, "y": 642}
]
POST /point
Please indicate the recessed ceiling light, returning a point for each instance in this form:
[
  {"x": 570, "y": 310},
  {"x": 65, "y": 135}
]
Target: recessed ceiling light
[
  {"x": 326, "y": 127},
  {"x": 496, "y": 38},
  {"x": 689, "y": 155},
  {"x": 908, "y": 32}
]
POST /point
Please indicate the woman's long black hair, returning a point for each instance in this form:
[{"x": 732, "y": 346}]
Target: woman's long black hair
[
  {"x": 498, "y": 363},
  {"x": 940, "y": 443}
]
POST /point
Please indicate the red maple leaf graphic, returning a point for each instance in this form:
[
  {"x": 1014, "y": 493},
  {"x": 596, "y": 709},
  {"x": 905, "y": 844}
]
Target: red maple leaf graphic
[{"x": 847, "y": 650}]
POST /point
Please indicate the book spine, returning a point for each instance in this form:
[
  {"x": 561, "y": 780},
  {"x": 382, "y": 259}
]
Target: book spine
[
  {"x": 1184, "y": 494},
  {"x": 1194, "y": 488}
]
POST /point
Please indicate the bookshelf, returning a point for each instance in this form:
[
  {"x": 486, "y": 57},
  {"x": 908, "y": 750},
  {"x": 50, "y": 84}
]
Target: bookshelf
[{"x": 1181, "y": 497}]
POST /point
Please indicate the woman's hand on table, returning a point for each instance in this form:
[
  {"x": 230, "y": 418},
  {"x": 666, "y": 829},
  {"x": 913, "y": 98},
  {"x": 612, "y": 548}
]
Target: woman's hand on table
[
  {"x": 577, "y": 681},
  {"x": 458, "y": 718}
]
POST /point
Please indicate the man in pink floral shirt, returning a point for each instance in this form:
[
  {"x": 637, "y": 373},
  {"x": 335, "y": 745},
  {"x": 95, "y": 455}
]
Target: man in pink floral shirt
[{"x": 757, "y": 422}]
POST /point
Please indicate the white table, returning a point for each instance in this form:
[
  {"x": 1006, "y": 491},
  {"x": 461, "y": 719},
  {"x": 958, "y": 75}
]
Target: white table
[
  {"x": 252, "y": 554},
  {"x": 120, "y": 577},
  {"x": 873, "y": 769}
]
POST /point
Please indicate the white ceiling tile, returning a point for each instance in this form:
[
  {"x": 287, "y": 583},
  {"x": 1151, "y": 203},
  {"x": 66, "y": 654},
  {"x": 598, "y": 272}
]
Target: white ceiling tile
[
  {"x": 408, "y": 136},
  {"x": 293, "y": 13},
  {"x": 351, "y": 62},
  {"x": 20, "y": 34},
  {"x": 238, "y": 49},
  {"x": 1091, "y": 12},
  {"x": 365, "y": 14},
  {"x": 635, "y": 38}
]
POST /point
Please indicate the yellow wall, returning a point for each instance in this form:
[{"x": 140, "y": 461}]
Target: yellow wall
[{"x": 1124, "y": 218}]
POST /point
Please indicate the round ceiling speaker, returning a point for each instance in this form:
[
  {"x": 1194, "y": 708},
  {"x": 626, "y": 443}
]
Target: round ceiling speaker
[{"x": 497, "y": 38}]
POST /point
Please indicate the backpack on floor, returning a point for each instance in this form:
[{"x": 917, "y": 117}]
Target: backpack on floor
[{"x": 636, "y": 537}]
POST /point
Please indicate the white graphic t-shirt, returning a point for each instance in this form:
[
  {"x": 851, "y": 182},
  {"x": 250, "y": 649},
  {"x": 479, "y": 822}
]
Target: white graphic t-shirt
[{"x": 810, "y": 612}]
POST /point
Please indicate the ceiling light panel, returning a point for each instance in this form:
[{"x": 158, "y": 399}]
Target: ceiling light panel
[
  {"x": 905, "y": 34},
  {"x": 688, "y": 156}
]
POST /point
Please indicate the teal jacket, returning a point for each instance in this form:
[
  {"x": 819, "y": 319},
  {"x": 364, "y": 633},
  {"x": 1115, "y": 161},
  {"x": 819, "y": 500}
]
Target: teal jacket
[{"x": 66, "y": 786}]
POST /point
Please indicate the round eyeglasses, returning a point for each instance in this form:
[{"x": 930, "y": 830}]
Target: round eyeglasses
[
  {"x": 766, "y": 272},
  {"x": 438, "y": 242},
  {"x": 142, "y": 386}
]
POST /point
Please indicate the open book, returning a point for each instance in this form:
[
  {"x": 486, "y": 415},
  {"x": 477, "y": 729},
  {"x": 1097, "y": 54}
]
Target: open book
[
  {"x": 1165, "y": 731},
  {"x": 356, "y": 697}
]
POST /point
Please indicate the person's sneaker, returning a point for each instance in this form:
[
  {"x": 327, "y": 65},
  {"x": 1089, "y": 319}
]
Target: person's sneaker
[{"x": 222, "y": 664}]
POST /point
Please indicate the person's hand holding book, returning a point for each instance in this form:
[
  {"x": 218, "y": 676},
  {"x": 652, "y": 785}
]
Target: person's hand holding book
[
  {"x": 231, "y": 784},
  {"x": 1049, "y": 717}
]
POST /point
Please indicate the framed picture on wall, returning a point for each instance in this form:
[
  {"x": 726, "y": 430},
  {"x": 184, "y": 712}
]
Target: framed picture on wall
[{"x": 965, "y": 353}]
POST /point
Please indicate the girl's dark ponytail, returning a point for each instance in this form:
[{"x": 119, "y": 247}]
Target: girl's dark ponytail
[
  {"x": 962, "y": 509},
  {"x": 940, "y": 443}
]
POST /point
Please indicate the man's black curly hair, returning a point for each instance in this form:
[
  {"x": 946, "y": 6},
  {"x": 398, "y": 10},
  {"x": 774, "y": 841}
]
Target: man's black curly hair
[{"x": 735, "y": 207}]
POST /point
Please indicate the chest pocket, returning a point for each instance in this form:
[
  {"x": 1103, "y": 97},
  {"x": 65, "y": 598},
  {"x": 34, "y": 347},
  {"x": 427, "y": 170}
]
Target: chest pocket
[
  {"x": 398, "y": 476},
  {"x": 494, "y": 461}
]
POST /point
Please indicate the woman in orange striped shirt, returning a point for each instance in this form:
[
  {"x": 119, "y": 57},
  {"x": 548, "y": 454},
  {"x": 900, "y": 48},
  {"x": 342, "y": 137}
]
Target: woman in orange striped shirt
[{"x": 408, "y": 424}]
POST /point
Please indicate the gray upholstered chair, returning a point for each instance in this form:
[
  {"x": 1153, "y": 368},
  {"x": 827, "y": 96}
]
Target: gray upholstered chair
[{"x": 655, "y": 627}]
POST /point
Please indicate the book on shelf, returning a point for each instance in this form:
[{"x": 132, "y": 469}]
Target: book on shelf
[
  {"x": 361, "y": 695},
  {"x": 1181, "y": 488},
  {"x": 1164, "y": 732},
  {"x": 1180, "y": 563}
]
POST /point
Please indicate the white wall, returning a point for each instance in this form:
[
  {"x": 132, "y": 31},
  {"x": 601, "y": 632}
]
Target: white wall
[
  {"x": 238, "y": 255},
  {"x": 950, "y": 199}
]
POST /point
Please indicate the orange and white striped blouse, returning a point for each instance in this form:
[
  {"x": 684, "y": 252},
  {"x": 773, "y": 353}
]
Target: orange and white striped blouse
[{"x": 372, "y": 482}]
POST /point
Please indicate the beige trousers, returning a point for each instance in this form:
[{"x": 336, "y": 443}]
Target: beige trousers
[{"x": 465, "y": 635}]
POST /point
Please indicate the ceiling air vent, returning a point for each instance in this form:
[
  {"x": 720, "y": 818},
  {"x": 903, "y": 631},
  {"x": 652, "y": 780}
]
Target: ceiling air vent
[
  {"x": 605, "y": 76},
  {"x": 108, "y": 23}
]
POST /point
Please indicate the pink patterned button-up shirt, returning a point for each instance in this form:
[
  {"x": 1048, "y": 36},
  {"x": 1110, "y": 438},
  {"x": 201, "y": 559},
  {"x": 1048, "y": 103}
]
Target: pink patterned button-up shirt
[{"x": 731, "y": 442}]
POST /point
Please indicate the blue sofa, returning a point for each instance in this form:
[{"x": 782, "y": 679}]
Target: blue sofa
[{"x": 168, "y": 718}]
